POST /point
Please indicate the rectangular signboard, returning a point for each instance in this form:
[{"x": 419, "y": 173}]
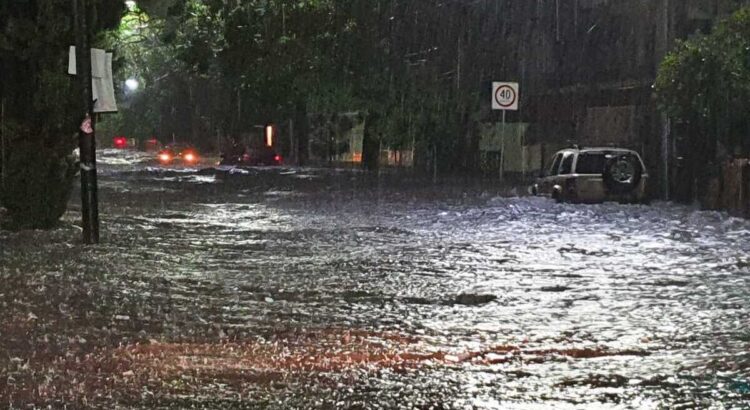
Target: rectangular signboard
[{"x": 505, "y": 96}]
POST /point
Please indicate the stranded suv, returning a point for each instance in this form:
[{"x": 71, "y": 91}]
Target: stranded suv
[{"x": 591, "y": 175}]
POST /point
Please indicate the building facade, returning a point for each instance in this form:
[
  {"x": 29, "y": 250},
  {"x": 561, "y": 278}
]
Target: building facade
[{"x": 587, "y": 69}]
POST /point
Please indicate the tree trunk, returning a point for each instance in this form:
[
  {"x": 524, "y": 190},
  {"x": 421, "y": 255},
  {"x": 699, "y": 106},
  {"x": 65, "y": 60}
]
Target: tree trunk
[
  {"x": 301, "y": 129},
  {"x": 370, "y": 143}
]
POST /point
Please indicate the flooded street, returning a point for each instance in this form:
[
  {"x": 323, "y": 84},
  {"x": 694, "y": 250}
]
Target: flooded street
[{"x": 317, "y": 288}]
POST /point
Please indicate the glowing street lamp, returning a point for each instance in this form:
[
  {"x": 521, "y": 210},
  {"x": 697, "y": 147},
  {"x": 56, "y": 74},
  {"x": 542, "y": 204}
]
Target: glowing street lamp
[{"x": 132, "y": 84}]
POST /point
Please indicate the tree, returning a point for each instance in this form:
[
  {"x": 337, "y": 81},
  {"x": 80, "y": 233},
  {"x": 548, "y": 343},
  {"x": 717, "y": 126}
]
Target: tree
[
  {"x": 416, "y": 71},
  {"x": 705, "y": 83},
  {"x": 40, "y": 108}
]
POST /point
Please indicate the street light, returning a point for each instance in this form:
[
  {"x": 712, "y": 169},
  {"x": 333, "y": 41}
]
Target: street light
[{"x": 132, "y": 84}]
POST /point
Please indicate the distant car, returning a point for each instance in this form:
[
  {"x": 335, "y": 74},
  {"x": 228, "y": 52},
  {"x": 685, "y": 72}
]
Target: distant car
[
  {"x": 178, "y": 154},
  {"x": 152, "y": 145},
  {"x": 264, "y": 156},
  {"x": 593, "y": 175}
]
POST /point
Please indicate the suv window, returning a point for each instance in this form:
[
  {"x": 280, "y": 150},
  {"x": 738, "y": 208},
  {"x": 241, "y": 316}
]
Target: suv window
[
  {"x": 555, "y": 165},
  {"x": 591, "y": 163},
  {"x": 567, "y": 164}
]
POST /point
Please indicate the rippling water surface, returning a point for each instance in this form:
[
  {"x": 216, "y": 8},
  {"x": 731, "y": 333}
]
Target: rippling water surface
[{"x": 514, "y": 303}]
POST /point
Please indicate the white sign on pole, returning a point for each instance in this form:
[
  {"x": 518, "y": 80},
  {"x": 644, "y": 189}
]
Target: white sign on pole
[
  {"x": 104, "y": 98},
  {"x": 72, "y": 69},
  {"x": 102, "y": 81},
  {"x": 505, "y": 96}
]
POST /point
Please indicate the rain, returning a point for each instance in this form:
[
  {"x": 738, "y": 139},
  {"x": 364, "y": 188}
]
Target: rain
[
  {"x": 374, "y": 205},
  {"x": 285, "y": 287}
]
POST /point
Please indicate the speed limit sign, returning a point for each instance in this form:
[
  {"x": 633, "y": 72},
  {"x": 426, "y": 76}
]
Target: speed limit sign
[{"x": 505, "y": 96}]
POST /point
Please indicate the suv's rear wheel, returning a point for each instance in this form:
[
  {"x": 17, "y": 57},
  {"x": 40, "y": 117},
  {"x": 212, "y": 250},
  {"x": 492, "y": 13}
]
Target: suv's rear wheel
[{"x": 622, "y": 173}]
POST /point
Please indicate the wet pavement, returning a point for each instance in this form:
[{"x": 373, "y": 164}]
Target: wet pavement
[{"x": 319, "y": 288}]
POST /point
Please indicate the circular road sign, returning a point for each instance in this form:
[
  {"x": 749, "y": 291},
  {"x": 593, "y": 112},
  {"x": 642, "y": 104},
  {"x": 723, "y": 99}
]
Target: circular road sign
[{"x": 506, "y": 96}]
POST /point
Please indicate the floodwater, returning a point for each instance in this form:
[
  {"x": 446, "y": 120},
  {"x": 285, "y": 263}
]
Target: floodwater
[{"x": 335, "y": 289}]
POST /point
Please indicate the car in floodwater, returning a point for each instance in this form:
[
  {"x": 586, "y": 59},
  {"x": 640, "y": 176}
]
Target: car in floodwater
[
  {"x": 178, "y": 153},
  {"x": 264, "y": 156},
  {"x": 594, "y": 175},
  {"x": 252, "y": 157},
  {"x": 254, "y": 149}
]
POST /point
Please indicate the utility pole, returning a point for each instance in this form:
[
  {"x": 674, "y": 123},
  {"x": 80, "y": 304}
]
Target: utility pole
[
  {"x": 557, "y": 20},
  {"x": 86, "y": 135},
  {"x": 3, "y": 162}
]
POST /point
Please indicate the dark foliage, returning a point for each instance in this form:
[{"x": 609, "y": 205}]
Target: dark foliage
[{"x": 40, "y": 109}]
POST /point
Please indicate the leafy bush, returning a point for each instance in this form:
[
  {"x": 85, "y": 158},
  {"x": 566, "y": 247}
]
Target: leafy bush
[{"x": 705, "y": 82}]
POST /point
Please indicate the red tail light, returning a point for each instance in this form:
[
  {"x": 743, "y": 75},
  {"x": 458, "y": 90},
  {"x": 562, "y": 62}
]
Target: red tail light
[
  {"x": 165, "y": 157},
  {"x": 120, "y": 142},
  {"x": 277, "y": 158}
]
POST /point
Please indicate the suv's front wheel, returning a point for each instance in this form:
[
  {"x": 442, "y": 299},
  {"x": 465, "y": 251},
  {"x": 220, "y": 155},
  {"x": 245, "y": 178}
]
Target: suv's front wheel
[{"x": 557, "y": 194}]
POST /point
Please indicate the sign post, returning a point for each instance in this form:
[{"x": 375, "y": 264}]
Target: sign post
[{"x": 504, "y": 97}]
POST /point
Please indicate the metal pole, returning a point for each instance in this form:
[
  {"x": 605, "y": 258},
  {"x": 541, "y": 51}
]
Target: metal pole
[
  {"x": 434, "y": 164},
  {"x": 557, "y": 20},
  {"x": 3, "y": 165},
  {"x": 665, "y": 122},
  {"x": 413, "y": 151},
  {"x": 523, "y": 154},
  {"x": 292, "y": 143},
  {"x": 87, "y": 140},
  {"x": 502, "y": 150},
  {"x": 665, "y": 138},
  {"x": 380, "y": 154}
]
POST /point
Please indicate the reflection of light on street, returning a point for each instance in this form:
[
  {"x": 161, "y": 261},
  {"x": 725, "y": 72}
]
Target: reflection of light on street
[
  {"x": 270, "y": 279},
  {"x": 331, "y": 351},
  {"x": 246, "y": 217}
]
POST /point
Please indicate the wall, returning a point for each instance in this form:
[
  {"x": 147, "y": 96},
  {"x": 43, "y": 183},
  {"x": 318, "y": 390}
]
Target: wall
[
  {"x": 586, "y": 69},
  {"x": 520, "y": 157}
]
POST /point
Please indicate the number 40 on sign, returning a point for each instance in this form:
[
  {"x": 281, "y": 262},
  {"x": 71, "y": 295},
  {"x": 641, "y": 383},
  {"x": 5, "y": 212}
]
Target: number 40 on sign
[{"x": 505, "y": 96}]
